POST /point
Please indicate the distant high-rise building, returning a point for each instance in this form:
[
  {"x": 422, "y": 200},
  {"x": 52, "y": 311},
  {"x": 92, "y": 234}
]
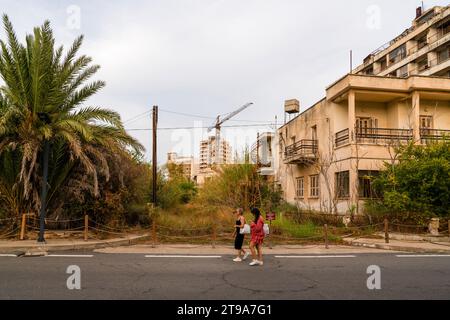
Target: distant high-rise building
[{"x": 208, "y": 153}]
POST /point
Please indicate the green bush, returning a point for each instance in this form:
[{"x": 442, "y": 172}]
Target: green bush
[{"x": 416, "y": 186}]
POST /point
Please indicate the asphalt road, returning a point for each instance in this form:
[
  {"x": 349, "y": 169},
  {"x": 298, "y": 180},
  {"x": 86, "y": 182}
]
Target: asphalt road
[{"x": 135, "y": 276}]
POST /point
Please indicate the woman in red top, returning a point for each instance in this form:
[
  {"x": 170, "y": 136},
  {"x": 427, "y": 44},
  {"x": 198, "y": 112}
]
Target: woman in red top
[{"x": 257, "y": 233}]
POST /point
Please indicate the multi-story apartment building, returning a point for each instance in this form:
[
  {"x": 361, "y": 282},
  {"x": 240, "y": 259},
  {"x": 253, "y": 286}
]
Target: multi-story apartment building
[
  {"x": 207, "y": 160},
  {"x": 330, "y": 153},
  {"x": 186, "y": 163},
  {"x": 208, "y": 152},
  {"x": 423, "y": 49}
]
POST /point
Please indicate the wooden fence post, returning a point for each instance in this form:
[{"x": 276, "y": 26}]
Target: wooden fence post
[
  {"x": 214, "y": 236},
  {"x": 86, "y": 227},
  {"x": 23, "y": 226},
  {"x": 326, "y": 235},
  {"x": 154, "y": 233},
  {"x": 386, "y": 230}
]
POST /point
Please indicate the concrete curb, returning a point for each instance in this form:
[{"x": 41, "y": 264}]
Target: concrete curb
[
  {"x": 77, "y": 245},
  {"x": 390, "y": 247}
]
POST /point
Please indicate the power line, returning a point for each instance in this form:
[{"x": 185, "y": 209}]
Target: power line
[
  {"x": 139, "y": 116},
  {"x": 191, "y": 128},
  {"x": 205, "y": 117}
]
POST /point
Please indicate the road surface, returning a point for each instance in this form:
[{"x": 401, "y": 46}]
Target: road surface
[{"x": 140, "y": 276}]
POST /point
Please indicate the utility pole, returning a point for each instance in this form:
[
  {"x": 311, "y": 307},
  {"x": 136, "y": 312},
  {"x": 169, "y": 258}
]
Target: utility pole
[{"x": 154, "y": 155}]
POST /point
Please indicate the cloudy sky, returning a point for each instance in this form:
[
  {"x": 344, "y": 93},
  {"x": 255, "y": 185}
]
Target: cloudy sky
[{"x": 208, "y": 57}]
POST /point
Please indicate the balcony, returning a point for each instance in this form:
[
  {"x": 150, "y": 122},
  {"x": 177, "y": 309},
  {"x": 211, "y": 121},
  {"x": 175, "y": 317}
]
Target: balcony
[
  {"x": 342, "y": 138},
  {"x": 302, "y": 152},
  {"x": 433, "y": 135},
  {"x": 383, "y": 136}
]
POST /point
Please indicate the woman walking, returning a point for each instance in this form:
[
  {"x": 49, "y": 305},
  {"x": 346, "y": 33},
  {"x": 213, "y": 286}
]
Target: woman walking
[
  {"x": 239, "y": 237},
  {"x": 257, "y": 232}
]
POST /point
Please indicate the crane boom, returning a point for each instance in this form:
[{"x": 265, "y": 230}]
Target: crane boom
[
  {"x": 218, "y": 125},
  {"x": 219, "y": 121}
]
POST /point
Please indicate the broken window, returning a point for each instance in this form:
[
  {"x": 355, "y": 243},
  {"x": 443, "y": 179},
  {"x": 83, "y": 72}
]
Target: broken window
[
  {"x": 365, "y": 187},
  {"x": 342, "y": 184}
]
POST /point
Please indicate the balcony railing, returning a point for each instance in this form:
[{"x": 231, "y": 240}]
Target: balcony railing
[
  {"x": 342, "y": 138},
  {"x": 303, "y": 151},
  {"x": 433, "y": 135},
  {"x": 383, "y": 135}
]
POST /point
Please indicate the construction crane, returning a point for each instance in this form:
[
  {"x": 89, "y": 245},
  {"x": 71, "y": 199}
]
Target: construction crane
[{"x": 217, "y": 126}]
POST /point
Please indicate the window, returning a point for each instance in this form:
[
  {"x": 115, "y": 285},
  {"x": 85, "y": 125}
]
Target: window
[
  {"x": 314, "y": 186},
  {"x": 422, "y": 65},
  {"x": 369, "y": 71},
  {"x": 300, "y": 187},
  {"x": 422, "y": 42},
  {"x": 398, "y": 54},
  {"x": 314, "y": 133},
  {"x": 426, "y": 122},
  {"x": 342, "y": 182},
  {"x": 402, "y": 72},
  {"x": 444, "y": 55},
  {"x": 365, "y": 188},
  {"x": 383, "y": 64},
  {"x": 366, "y": 126}
]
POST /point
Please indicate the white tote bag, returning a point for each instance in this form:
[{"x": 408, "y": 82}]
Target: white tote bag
[
  {"x": 245, "y": 229},
  {"x": 266, "y": 229}
]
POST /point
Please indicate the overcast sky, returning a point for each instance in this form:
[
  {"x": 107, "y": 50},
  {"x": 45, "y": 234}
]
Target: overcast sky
[{"x": 209, "y": 57}]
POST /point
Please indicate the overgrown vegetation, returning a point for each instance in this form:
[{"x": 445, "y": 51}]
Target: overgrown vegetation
[
  {"x": 43, "y": 122},
  {"x": 415, "y": 187}
]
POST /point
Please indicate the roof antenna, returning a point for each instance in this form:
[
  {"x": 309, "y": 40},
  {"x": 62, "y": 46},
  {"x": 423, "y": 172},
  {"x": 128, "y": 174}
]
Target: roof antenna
[{"x": 351, "y": 61}]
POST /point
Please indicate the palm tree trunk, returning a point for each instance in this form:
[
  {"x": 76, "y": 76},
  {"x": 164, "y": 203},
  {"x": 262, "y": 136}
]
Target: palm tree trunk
[{"x": 44, "y": 191}]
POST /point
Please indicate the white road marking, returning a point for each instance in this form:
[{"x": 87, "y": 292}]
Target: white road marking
[
  {"x": 421, "y": 255},
  {"x": 315, "y": 257},
  {"x": 8, "y": 255},
  {"x": 179, "y": 256},
  {"x": 70, "y": 255}
]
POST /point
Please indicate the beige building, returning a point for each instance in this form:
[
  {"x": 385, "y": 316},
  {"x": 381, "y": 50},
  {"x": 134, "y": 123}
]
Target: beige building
[
  {"x": 423, "y": 49},
  {"x": 208, "y": 157},
  {"x": 187, "y": 164},
  {"x": 208, "y": 152},
  {"x": 330, "y": 153}
]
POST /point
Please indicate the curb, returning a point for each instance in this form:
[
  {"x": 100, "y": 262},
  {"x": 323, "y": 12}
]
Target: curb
[
  {"x": 78, "y": 246},
  {"x": 396, "y": 247}
]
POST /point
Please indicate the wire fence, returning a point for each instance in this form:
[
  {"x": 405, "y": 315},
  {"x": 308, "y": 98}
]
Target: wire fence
[{"x": 87, "y": 228}]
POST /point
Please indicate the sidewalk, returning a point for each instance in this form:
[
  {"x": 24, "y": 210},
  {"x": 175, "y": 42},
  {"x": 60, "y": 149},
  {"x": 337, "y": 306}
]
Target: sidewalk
[
  {"x": 7, "y": 246},
  {"x": 177, "y": 249},
  {"x": 401, "y": 245},
  {"x": 128, "y": 245}
]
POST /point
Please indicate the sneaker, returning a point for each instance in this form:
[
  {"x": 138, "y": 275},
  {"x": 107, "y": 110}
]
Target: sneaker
[
  {"x": 254, "y": 263},
  {"x": 237, "y": 259},
  {"x": 260, "y": 263},
  {"x": 246, "y": 256}
]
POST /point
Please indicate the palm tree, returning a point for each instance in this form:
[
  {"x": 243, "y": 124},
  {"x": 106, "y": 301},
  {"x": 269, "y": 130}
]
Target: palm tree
[{"x": 42, "y": 117}]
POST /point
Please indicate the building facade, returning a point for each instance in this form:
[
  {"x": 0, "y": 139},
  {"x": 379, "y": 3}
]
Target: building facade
[
  {"x": 186, "y": 163},
  {"x": 423, "y": 49},
  {"x": 208, "y": 152},
  {"x": 331, "y": 152},
  {"x": 206, "y": 164},
  {"x": 264, "y": 153}
]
